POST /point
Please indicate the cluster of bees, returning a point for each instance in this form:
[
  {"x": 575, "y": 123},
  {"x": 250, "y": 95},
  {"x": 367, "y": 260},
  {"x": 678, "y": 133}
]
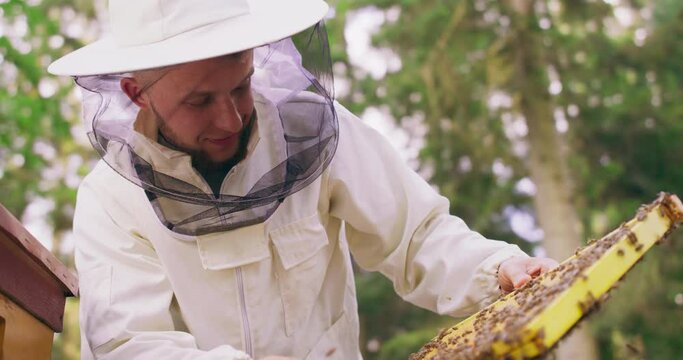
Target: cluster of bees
[{"x": 503, "y": 325}]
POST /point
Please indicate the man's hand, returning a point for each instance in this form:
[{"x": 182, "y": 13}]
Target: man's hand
[
  {"x": 514, "y": 272},
  {"x": 277, "y": 358}
]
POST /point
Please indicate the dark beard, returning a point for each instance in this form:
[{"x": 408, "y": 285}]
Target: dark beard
[{"x": 212, "y": 171}]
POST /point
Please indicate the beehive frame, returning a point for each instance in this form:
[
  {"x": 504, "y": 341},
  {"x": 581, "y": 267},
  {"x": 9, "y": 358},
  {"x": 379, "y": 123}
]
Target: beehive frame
[{"x": 527, "y": 322}]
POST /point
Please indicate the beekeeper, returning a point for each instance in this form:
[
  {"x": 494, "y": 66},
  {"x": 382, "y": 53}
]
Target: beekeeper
[{"x": 233, "y": 191}]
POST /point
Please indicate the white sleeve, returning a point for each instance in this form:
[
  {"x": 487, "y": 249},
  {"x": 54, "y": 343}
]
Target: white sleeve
[
  {"x": 398, "y": 225},
  {"x": 126, "y": 301}
]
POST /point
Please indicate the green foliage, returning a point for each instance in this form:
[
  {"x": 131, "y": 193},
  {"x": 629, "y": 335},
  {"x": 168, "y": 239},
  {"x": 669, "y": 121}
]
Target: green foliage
[
  {"x": 37, "y": 112},
  {"x": 399, "y": 327},
  {"x": 402, "y": 345}
]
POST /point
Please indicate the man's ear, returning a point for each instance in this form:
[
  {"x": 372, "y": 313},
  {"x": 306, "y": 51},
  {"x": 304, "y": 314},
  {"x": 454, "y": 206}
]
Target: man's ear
[{"x": 133, "y": 89}]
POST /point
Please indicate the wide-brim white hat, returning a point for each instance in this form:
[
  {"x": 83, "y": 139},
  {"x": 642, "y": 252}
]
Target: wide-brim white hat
[{"x": 148, "y": 34}]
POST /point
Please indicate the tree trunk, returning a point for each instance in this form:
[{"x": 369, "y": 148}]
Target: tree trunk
[
  {"x": 554, "y": 208},
  {"x": 547, "y": 162}
]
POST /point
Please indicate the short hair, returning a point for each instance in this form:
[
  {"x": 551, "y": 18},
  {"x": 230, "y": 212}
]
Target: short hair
[{"x": 147, "y": 77}]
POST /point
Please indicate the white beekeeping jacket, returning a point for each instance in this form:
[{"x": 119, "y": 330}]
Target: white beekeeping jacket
[{"x": 282, "y": 287}]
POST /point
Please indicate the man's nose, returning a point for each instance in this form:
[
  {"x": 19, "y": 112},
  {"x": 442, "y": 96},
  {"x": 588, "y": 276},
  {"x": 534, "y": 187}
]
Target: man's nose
[{"x": 228, "y": 117}]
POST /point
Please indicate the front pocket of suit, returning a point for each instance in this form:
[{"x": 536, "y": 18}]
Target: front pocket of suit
[
  {"x": 95, "y": 304},
  {"x": 303, "y": 256}
]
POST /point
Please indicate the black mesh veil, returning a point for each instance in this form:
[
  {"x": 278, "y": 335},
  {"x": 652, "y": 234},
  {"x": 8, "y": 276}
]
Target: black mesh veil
[{"x": 297, "y": 137}]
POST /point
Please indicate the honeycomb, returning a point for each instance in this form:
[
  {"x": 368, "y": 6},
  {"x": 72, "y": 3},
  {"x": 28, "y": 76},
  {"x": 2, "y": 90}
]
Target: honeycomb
[{"x": 529, "y": 321}]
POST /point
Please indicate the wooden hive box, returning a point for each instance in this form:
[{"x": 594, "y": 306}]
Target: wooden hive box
[{"x": 34, "y": 286}]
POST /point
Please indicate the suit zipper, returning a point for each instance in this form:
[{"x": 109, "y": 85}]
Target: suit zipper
[{"x": 245, "y": 317}]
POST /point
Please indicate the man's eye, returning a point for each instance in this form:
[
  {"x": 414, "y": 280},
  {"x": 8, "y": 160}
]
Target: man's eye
[
  {"x": 200, "y": 102},
  {"x": 245, "y": 85}
]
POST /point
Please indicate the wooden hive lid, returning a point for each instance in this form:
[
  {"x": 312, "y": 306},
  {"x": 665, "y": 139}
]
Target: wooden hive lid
[{"x": 31, "y": 275}]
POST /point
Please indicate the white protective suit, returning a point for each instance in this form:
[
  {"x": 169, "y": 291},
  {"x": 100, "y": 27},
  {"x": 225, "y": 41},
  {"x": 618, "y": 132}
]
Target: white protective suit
[{"x": 283, "y": 287}]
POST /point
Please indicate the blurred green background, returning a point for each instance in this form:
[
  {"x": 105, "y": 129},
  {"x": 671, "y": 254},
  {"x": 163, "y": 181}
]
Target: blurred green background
[{"x": 545, "y": 122}]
